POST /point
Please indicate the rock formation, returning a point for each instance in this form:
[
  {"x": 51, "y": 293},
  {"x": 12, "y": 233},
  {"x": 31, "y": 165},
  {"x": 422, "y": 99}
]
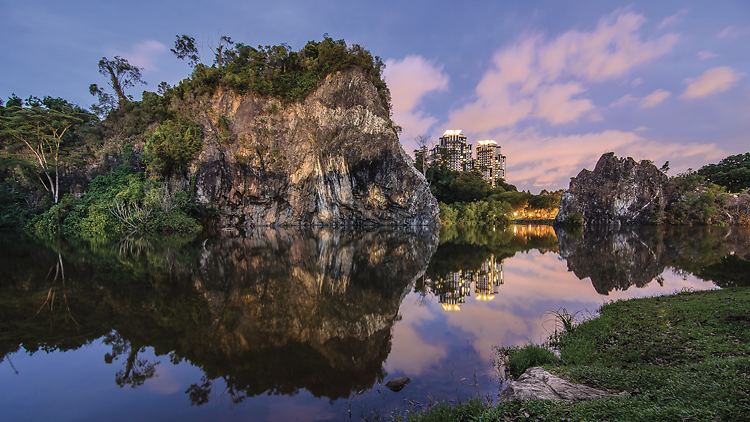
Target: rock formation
[
  {"x": 333, "y": 160},
  {"x": 538, "y": 384},
  {"x": 618, "y": 191}
]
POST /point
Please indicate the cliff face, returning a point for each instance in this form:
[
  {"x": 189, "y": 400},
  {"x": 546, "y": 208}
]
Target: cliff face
[
  {"x": 618, "y": 191},
  {"x": 333, "y": 159}
]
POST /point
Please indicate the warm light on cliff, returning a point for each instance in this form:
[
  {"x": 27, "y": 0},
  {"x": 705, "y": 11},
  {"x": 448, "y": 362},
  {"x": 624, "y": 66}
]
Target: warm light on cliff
[{"x": 449, "y": 307}]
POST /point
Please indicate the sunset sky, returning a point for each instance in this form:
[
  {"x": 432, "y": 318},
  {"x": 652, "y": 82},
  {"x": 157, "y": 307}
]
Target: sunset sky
[{"x": 556, "y": 84}]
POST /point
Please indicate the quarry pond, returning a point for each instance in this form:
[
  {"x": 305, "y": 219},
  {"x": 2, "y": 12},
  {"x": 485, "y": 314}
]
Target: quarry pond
[{"x": 310, "y": 324}]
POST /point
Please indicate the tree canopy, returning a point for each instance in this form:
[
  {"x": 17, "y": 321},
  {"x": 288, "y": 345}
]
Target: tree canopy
[{"x": 732, "y": 172}]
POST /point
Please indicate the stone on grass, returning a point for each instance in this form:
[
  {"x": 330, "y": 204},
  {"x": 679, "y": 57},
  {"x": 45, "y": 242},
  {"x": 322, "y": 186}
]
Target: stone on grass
[{"x": 538, "y": 384}]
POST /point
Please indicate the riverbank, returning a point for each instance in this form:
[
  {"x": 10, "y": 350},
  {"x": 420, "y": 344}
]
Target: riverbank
[{"x": 679, "y": 357}]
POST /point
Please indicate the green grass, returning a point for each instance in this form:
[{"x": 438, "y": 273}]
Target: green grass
[{"x": 684, "y": 357}]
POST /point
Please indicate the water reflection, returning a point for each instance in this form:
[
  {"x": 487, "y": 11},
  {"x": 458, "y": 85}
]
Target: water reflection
[{"x": 300, "y": 314}]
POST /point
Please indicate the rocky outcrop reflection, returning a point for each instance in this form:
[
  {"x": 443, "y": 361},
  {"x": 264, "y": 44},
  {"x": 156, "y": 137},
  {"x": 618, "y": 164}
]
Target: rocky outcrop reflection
[
  {"x": 273, "y": 312},
  {"x": 616, "y": 259},
  {"x": 311, "y": 309}
]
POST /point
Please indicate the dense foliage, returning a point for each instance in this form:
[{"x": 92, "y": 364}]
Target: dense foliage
[
  {"x": 172, "y": 146},
  {"x": 732, "y": 172},
  {"x": 119, "y": 203},
  {"x": 278, "y": 70}
]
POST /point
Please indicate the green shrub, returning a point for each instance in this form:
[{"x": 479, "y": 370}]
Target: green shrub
[
  {"x": 519, "y": 359},
  {"x": 172, "y": 146}
]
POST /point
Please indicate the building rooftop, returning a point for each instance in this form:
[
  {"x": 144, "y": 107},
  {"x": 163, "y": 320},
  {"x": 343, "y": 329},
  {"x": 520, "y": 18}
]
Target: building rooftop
[{"x": 452, "y": 132}]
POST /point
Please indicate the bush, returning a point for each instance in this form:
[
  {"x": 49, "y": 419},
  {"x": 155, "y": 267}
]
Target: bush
[
  {"x": 519, "y": 359},
  {"x": 119, "y": 203},
  {"x": 172, "y": 146}
]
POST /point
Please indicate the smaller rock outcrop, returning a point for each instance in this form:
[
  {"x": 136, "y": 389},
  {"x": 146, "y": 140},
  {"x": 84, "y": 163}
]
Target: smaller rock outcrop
[
  {"x": 397, "y": 384},
  {"x": 618, "y": 191},
  {"x": 538, "y": 384}
]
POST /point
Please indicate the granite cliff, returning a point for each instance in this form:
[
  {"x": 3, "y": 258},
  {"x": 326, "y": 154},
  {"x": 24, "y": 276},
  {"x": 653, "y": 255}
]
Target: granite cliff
[
  {"x": 333, "y": 159},
  {"x": 618, "y": 191}
]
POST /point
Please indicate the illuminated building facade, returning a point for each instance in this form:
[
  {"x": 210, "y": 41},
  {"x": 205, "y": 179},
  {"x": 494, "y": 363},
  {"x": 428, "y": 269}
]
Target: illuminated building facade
[
  {"x": 454, "y": 151},
  {"x": 490, "y": 162}
]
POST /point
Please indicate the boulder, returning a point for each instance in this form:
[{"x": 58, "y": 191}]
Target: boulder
[
  {"x": 538, "y": 384},
  {"x": 333, "y": 159},
  {"x": 397, "y": 384},
  {"x": 618, "y": 191}
]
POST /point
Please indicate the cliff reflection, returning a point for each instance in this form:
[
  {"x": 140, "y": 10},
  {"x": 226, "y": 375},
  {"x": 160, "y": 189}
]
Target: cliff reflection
[
  {"x": 276, "y": 311},
  {"x": 636, "y": 256}
]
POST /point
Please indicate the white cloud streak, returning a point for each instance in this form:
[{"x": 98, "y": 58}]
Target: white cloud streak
[
  {"x": 712, "y": 81},
  {"x": 654, "y": 98}
]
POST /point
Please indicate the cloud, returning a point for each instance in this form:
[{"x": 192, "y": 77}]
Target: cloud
[
  {"x": 674, "y": 19},
  {"x": 713, "y": 81},
  {"x": 539, "y": 79},
  {"x": 654, "y": 98},
  {"x": 732, "y": 32},
  {"x": 554, "y": 159},
  {"x": 704, "y": 55},
  {"x": 637, "y": 81},
  {"x": 627, "y": 98},
  {"x": 144, "y": 54},
  {"x": 410, "y": 80}
]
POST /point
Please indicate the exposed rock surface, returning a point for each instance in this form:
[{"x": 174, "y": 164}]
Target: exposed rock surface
[
  {"x": 618, "y": 191},
  {"x": 538, "y": 384},
  {"x": 334, "y": 160},
  {"x": 397, "y": 384}
]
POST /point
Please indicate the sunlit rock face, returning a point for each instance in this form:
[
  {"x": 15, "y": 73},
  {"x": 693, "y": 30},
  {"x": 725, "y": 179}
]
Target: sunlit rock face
[
  {"x": 614, "y": 259},
  {"x": 333, "y": 160},
  {"x": 307, "y": 308},
  {"x": 618, "y": 191}
]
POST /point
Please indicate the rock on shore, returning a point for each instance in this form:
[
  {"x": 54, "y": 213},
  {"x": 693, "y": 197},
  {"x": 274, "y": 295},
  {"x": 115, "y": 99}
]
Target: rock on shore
[{"x": 618, "y": 191}]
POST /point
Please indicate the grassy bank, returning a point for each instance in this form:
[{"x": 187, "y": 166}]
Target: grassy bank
[{"x": 680, "y": 357}]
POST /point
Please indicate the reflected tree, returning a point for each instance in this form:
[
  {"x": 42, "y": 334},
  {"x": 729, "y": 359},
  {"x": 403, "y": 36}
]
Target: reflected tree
[{"x": 137, "y": 370}]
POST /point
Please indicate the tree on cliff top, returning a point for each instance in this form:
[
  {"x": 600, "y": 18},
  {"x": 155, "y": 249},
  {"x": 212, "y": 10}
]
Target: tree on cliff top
[
  {"x": 732, "y": 172},
  {"x": 121, "y": 75}
]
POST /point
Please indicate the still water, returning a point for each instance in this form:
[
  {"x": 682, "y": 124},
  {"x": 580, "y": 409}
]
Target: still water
[{"x": 309, "y": 325}]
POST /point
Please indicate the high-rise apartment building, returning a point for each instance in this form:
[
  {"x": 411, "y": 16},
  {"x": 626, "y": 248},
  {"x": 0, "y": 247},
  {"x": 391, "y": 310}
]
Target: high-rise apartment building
[
  {"x": 454, "y": 151},
  {"x": 490, "y": 162}
]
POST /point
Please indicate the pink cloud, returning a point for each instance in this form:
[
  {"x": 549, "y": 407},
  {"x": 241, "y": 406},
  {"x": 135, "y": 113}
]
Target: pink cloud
[
  {"x": 672, "y": 20},
  {"x": 637, "y": 81},
  {"x": 409, "y": 80},
  {"x": 534, "y": 78},
  {"x": 713, "y": 81},
  {"x": 554, "y": 159},
  {"x": 704, "y": 55},
  {"x": 145, "y": 54},
  {"x": 627, "y": 98},
  {"x": 655, "y": 98},
  {"x": 732, "y": 32}
]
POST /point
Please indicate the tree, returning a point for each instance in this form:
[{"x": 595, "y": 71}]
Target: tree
[
  {"x": 121, "y": 75},
  {"x": 422, "y": 142},
  {"x": 185, "y": 48},
  {"x": 43, "y": 127},
  {"x": 219, "y": 51},
  {"x": 732, "y": 172}
]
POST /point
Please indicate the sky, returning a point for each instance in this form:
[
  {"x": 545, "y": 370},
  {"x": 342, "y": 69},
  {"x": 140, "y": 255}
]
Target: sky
[{"x": 555, "y": 84}]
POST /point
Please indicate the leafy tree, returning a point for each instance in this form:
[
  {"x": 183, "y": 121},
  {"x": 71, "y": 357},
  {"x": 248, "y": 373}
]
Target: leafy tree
[
  {"x": 185, "y": 48},
  {"x": 172, "y": 146},
  {"x": 121, "y": 74},
  {"x": 44, "y": 128},
  {"x": 732, "y": 172}
]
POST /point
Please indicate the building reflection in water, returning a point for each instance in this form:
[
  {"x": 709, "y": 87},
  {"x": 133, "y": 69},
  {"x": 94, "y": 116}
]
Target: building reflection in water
[{"x": 453, "y": 290}]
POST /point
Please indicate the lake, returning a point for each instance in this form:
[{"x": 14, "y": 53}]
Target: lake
[{"x": 310, "y": 324}]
